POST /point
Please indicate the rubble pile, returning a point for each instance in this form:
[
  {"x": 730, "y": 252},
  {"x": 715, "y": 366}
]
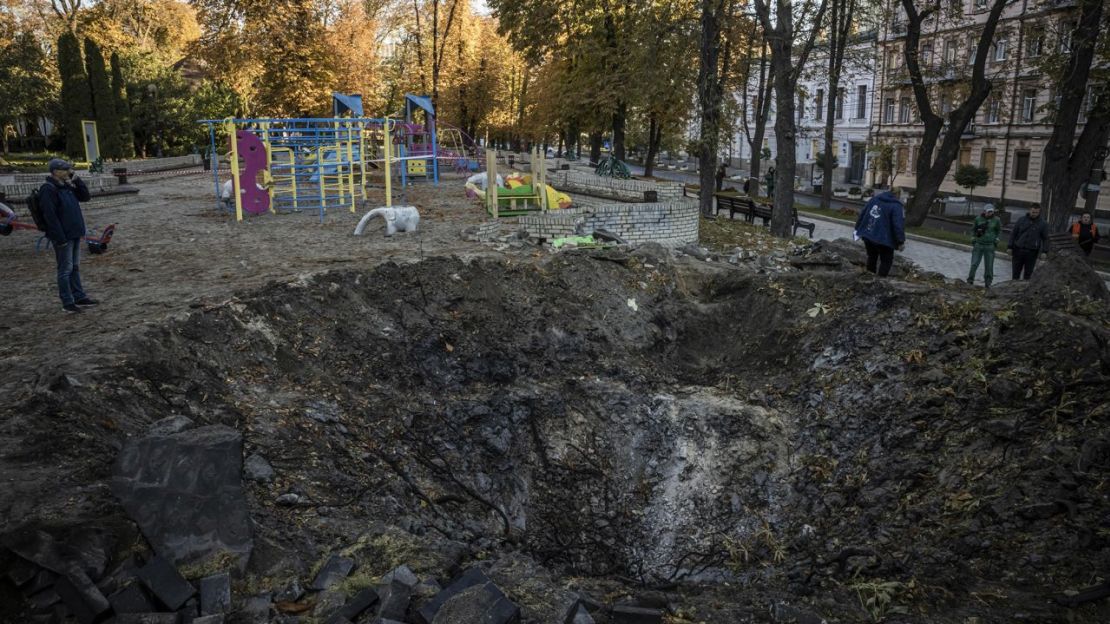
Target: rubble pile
[{"x": 610, "y": 435}]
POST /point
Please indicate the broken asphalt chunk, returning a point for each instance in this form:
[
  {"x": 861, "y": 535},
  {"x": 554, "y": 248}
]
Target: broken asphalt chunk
[
  {"x": 335, "y": 569},
  {"x": 209, "y": 619},
  {"x": 145, "y": 618},
  {"x": 166, "y": 583},
  {"x": 215, "y": 594}
]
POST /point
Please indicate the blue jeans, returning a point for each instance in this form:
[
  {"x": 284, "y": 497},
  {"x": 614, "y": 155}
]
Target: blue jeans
[{"x": 68, "y": 255}]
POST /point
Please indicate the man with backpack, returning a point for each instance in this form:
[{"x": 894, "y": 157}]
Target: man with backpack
[
  {"x": 984, "y": 235},
  {"x": 1028, "y": 239},
  {"x": 1085, "y": 232},
  {"x": 57, "y": 211}
]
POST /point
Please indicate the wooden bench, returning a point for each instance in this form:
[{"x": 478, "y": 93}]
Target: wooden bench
[{"x": 753, "y": 210}]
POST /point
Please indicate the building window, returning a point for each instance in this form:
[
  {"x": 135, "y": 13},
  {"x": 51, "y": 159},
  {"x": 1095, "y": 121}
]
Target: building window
[
  {"x": 801, "y": 106},
  {"x": 994, "y": 112},
  {"x": 840, "y": 103},
  {"x": 902, "y": 156},
  {"x": 1000, "y": 49},
  {"x": 820, "y": 104},
  {"x": 972, "y": 48},
  {"x": 1066, "y": 30},
  {"x": 986, "y": 161},
  {"x": 926, "y": 55},
  {"x": 861, "y": 102},
  {"x": 1021, "y": 165},
  {"x": 965, "y": 156},
  {"x": 1034, "y": 46},
  {"x": 888, "y": 110},
  {"x": 904, "y": 110},
  {"x": 956, "y": 7},
  {"x": 949, "y": 52},
  {"x": 1028, "y": 105},
  {"x": 1088, "y": 105},
  {"x": 980, "y": 4},
  {"x": 945, "y": 104}
]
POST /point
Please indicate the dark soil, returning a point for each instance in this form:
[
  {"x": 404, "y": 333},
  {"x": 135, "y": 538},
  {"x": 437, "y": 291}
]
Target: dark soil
[{"x": 626, "y": 426}]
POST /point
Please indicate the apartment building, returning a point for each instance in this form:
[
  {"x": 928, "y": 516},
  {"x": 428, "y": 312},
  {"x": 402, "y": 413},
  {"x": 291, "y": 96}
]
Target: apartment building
[
  {"x": 1010, "y": 131},
  {"x": 852, "y": 115}
]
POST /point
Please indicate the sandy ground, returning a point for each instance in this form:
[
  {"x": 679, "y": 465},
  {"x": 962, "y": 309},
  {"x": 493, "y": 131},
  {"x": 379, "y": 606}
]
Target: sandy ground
[{"x": 173, "y": 250}]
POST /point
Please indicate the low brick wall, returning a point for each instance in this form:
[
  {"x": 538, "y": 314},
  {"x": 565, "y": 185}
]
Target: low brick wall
[
  {"x": 26, "y": 182},
  {"x": 672, "y": 223},
  {"x": 578, "y": 181}
]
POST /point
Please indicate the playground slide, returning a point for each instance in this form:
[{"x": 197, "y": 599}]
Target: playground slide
[{"x": 515, "y": 186}]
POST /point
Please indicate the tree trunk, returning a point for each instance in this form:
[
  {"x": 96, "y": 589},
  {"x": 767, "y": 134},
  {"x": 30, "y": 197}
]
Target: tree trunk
[
  {"x": 1068, "y": 162},
  {"x": 595, "y": 148},
  {"x": 762, "y": 112},
  {"x": 709, "y": 96},
  {"x": 620, "y": 116},
  {"x": 786, "y": 161},
  {"x": 654, "y": 135},
  {"x": 840, "y": 22}
]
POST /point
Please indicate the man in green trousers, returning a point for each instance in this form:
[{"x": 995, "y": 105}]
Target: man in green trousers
[{"x": 984, "y": 234}]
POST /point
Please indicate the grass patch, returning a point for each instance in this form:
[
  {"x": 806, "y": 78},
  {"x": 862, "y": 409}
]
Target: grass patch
[
  {"x": 724, "y": 235},
  {"x": 30, "y": 162}
]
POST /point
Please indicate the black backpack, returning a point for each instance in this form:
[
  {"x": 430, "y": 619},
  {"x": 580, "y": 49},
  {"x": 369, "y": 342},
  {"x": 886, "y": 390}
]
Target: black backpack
[
  {"x": 980, "y": 230},
  {"x": 35, "y": 207}
]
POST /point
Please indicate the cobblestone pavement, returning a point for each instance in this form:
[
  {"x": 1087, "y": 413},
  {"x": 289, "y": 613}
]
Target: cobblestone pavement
[{"x": 950, "y": 262}]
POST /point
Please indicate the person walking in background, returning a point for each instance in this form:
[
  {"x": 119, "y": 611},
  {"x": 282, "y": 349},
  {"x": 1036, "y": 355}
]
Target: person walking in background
[
  {"x": 984, "y": 235},
  {"x": 1085, "y": 232},
  {"x": 1028, "y": 239},
  {"x": 882, "y": 226},
  {"x": 59, "y": 199},
  {"x": 722, "y": 171},
  {"x": 770, "y": 178}
]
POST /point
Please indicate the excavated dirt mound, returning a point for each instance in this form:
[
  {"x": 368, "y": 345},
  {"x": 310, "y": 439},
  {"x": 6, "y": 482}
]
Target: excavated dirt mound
[{"x": 749, "y": 447}]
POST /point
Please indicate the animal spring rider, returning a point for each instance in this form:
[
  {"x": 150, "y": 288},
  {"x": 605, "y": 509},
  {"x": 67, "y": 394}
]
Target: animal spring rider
[{"x": 397, "y": 218}]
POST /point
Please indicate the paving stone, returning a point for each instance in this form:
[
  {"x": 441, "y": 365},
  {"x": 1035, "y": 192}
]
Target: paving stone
[
  {"x": 356, "y": 606},
  {"x": 81, "y": 596},
  {"x": 131, "y": 599},
  {"x": 473, "y": 597},
  {"x": 401, "y": 574},
  {"x": 335, "y": 569},
  {"x": 189, "y": 611},
  {"x": 635, "y": 615},
  {"x": 215, "y": 594},
  {"x": 579, "y": 615},
  {"x": 187, "y": 515},
  {"x": 166, "y": 583},
  {"x": 328, "y": 603},
  {"x": 394, "y": 600},
  {"x": 210, "y": 619},
  {"x": 255, "y": 609}
]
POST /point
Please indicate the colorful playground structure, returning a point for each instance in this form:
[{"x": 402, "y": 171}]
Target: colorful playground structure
[
  {"x": 516, "y": 193},
  {"x": 326, "y": 163}
]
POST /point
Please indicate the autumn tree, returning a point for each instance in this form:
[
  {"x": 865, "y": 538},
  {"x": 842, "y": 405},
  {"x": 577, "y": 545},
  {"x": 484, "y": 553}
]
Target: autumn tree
[
  {"x": 75, "y": 94},
  {"x": 104, "y": 104},
  {"x": 933, "y": 160},
  {"x": 839, "y": 29},
  {"x": 25, "y": 78},
  {"x": 123, "y": 111},
  {"x": 790, "y": 30},
  {"x": 756, "y": 78},
  {"x": 1081, "y": 86},
  {"x": 712, "y": 71}
]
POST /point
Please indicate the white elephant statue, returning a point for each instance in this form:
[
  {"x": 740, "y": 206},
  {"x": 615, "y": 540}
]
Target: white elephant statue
[{"x": 397, "y": 218}]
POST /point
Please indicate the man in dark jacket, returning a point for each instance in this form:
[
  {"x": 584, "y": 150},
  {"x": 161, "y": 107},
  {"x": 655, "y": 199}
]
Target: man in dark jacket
[
  {"x": 984, "y": 235},
  {"x": 59, "y": 199},
  {"x": 1028, "y": 239},
  {"x": 882, "y": 226}
]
